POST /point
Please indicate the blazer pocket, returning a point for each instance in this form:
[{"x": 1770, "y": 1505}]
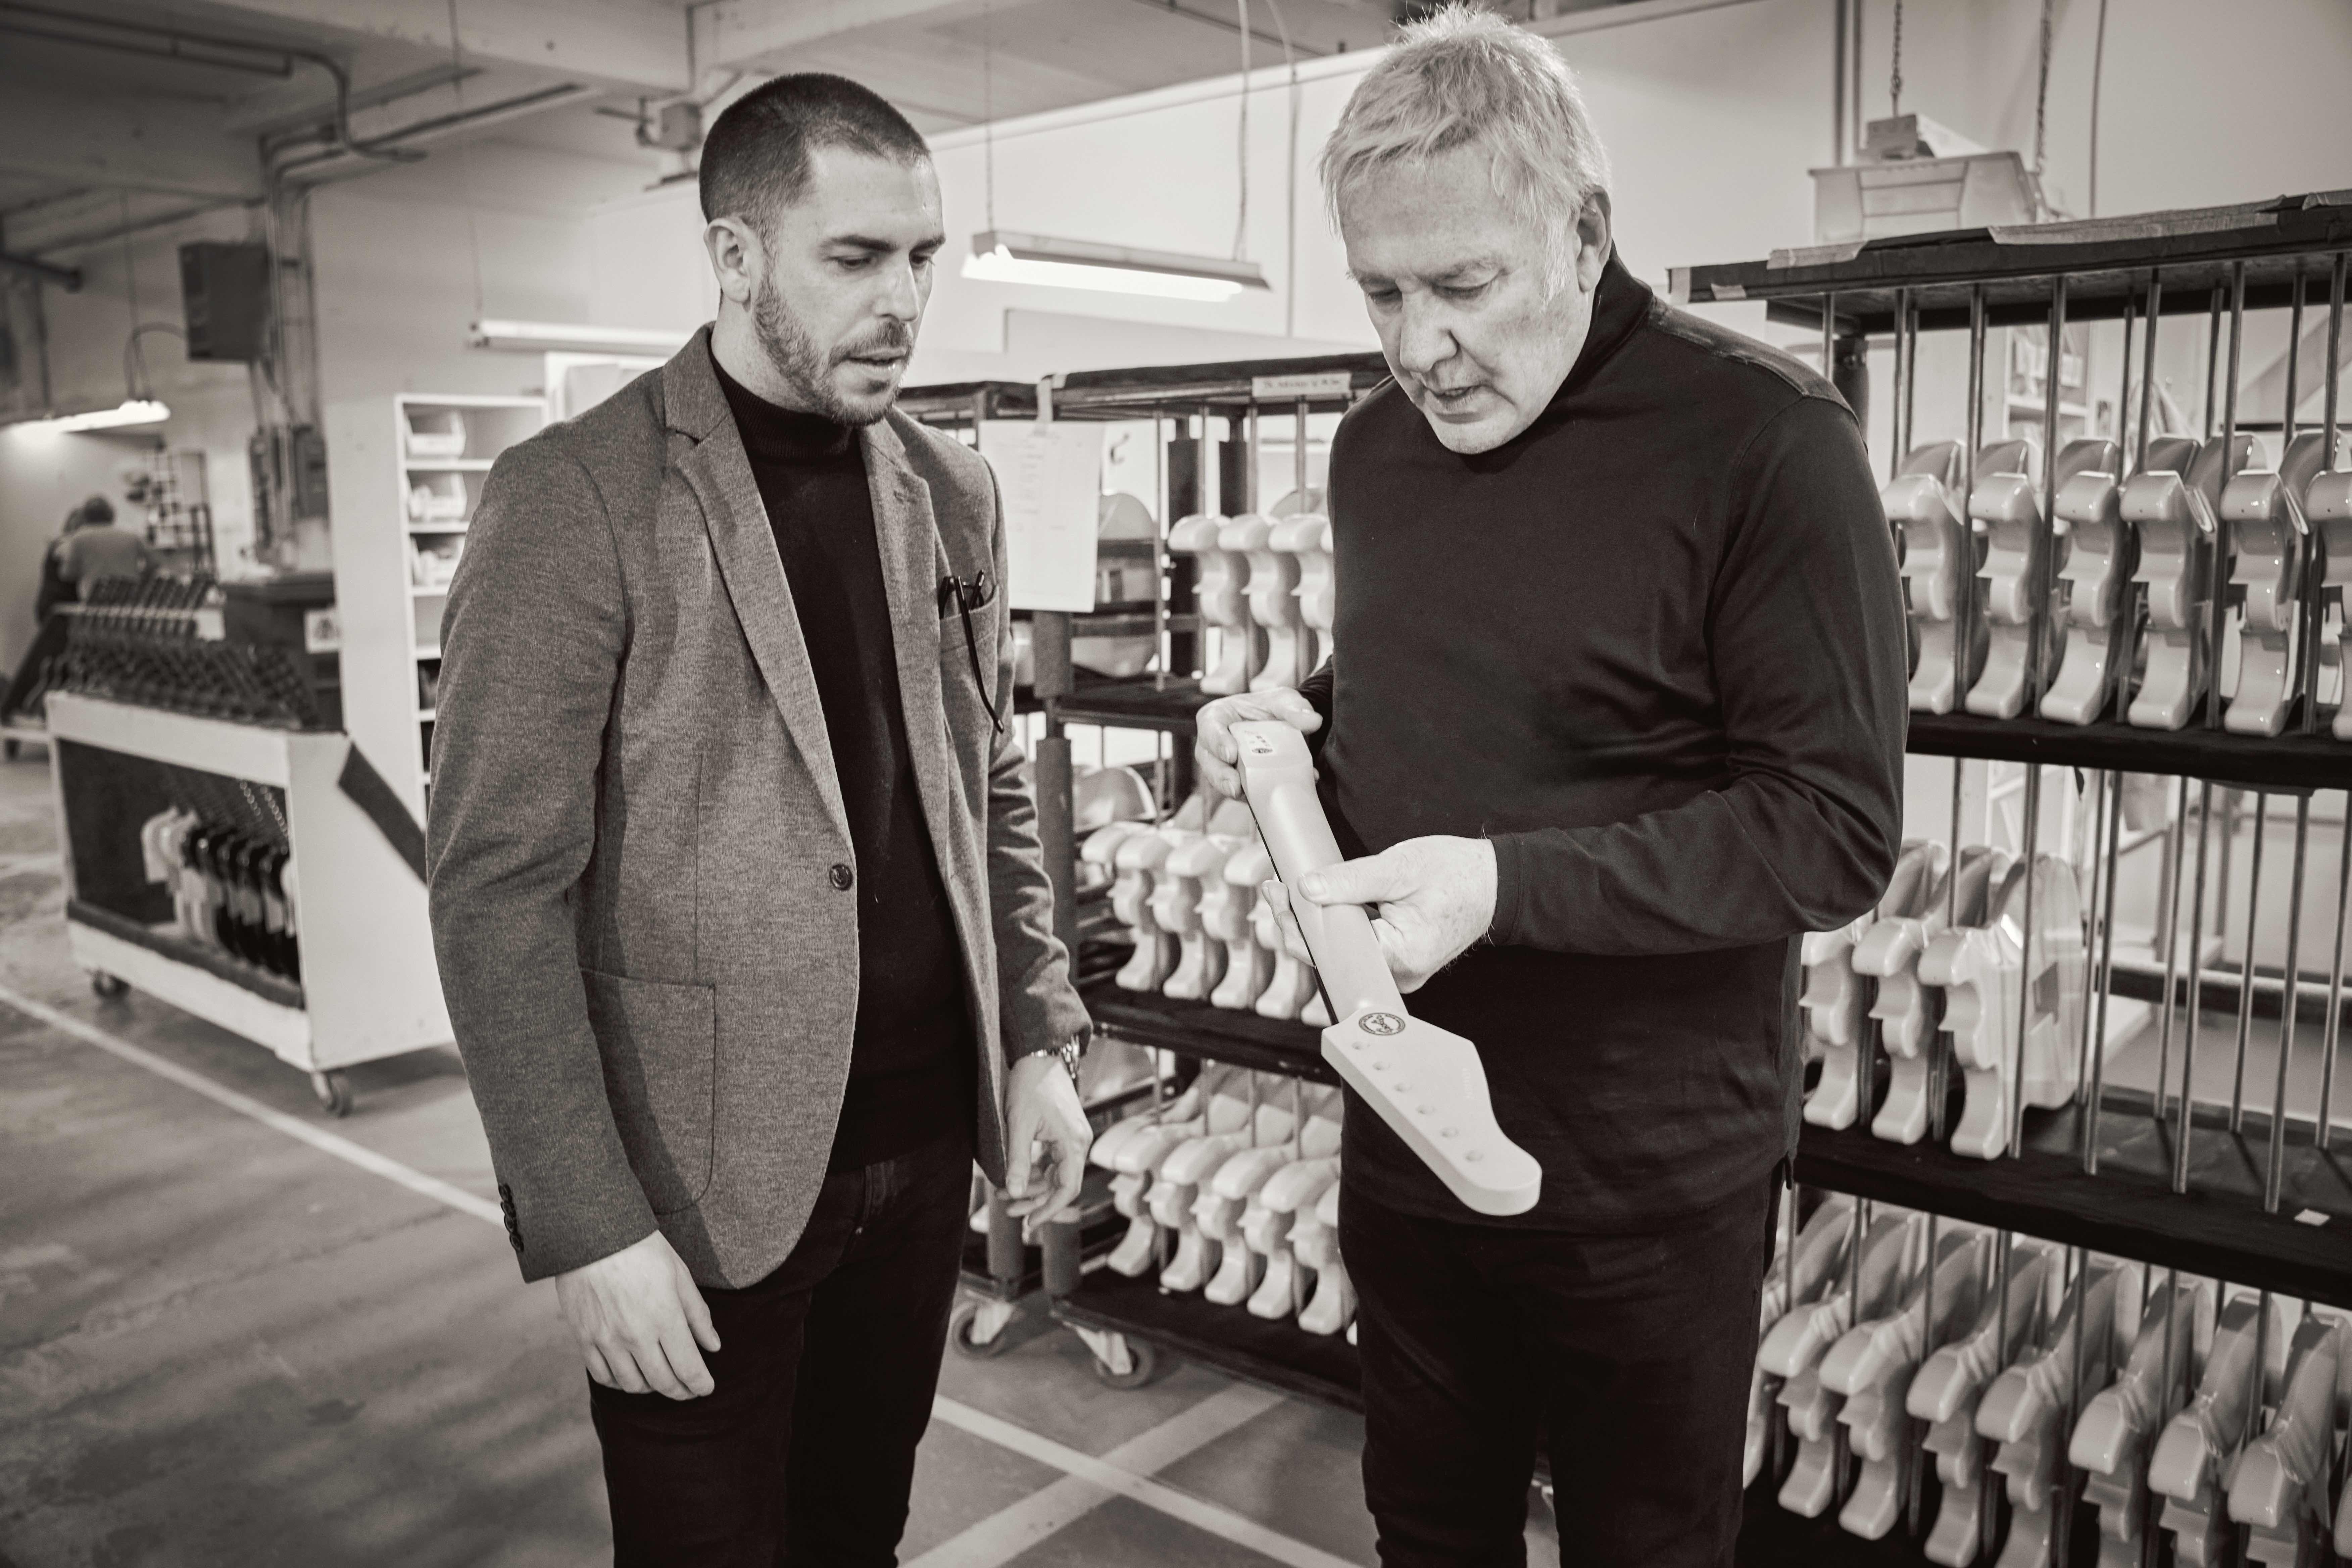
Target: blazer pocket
[{"x": 659, "y": 1042}]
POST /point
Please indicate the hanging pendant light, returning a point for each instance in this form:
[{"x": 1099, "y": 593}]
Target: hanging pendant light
[{"x": 999, "y": 255}]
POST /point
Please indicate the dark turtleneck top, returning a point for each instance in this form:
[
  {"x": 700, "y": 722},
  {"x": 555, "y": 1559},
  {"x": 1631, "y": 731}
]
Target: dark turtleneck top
[
  {"x": 912, "y": 1069},
  {"x": 1652, "y": 649}
]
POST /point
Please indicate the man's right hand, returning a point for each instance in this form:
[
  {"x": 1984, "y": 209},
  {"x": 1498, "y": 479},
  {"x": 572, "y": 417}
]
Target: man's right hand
[
  {"x": 1214, "y": 755},
  {"x": 639, "y": 1320}
]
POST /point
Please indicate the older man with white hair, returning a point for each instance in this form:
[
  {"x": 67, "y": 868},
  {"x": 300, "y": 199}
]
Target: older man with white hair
[{"x": 1615, "y": 714}]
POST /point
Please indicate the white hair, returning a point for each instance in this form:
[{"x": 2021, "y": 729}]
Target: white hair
[{"x": 1466, "y": 77}]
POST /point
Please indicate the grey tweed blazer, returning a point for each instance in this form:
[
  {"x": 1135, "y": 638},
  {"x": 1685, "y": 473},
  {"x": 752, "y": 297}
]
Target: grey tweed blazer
[{"x": 641, "y": 869}]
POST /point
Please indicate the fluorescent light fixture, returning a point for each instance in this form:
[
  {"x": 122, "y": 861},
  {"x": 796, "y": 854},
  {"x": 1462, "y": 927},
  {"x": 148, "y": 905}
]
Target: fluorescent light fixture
[
  {"x": 131, "y": 411},
  {"x": 577, "y": 337},
  {"x": 999, "y": 257}
]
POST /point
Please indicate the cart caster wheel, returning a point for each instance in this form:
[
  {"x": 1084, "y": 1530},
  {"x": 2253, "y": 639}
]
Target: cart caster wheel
[
  {"x": 109, "y": 987},
  {"x": 1142, "y": 1363},
  {"x": 11, "y": 751},
  {"x": 333, "y": 1090},
  {"x": 977, "y": 1335}
]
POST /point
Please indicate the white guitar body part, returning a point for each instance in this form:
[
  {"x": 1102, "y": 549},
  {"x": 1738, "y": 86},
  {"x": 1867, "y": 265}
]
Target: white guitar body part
[
  {"x": 1273, "y": 599},
  {"x": 1309, "y": 537},
  {"x": 2264, "y": 512},
  {"x": 2097, "y": 651}
]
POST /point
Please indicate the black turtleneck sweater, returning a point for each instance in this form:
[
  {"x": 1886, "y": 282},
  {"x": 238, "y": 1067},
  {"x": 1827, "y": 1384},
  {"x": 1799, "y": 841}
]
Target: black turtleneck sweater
[
  {"x": 911, "y": 1070},
  {"x": 1653, "y": 648}
]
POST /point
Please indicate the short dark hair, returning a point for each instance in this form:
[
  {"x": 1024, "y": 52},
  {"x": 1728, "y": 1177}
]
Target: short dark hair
[
  {"x": 96, "y": 511},
  {"x": 755, "y": 161}
]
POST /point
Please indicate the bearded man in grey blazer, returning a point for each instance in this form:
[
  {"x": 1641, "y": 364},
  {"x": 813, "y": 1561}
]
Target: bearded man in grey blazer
[{"x": 736, "y": 881}]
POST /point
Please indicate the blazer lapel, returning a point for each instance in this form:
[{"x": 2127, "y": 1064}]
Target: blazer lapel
[
  {"x": 908, "y": 535},
  {"x": 720, "y": 476}
]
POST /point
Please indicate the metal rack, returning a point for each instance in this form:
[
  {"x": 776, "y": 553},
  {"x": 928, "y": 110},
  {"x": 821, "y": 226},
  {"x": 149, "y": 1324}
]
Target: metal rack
[
  {"x": 2166, "y": 1176},
  {"x": 2170, "y": 1178}
]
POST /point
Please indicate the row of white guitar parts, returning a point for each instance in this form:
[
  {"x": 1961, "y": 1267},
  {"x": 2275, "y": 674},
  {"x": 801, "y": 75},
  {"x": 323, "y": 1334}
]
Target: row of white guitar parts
[
  {"x": 1958, "y": 960},
  {"x": 2172, "y": 1405},
  {"x": 2194, "y": 521},
  {"x": 1232, "y": 1189},
  {"x": 1265, "y": 585},
  {"x": 1188, "y": 892}
]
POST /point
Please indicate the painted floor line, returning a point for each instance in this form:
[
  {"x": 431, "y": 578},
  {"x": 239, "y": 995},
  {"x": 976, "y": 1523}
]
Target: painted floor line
[
  {"x": 1195, "y": 1511},
  {"x": 1008, "y": 1532},
  {"x": 1154, "y": 1449},
  {"x": 294, "y": 1127}
]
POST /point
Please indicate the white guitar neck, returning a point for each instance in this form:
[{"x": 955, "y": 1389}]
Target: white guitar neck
[{"x": 1426, "y": 1084}]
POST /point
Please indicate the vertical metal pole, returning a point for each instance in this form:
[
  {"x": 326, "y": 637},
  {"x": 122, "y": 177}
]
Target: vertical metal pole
[
  {"x": 2212, "y": 354},
  {"x": 2254, "y": 1418},
  {"x": 1964, "y": 642},
  {"x": 2246, "y": 966},
  {"x": 1898, "y": 412},
  {"x": 1829, "y": 340},
  {"x": 1298, "y": 465},
  {"x": 2148, "y": 367},
  {"x": 2104, "y": 978},
  {"x": 1249, "y": 460},
  {"x": 2196, "y": 993},
  {"x": 1939, "y": 1057},
  {"x": 2122, "y": 396},
  {"x": 2315, "y": 547},
  {"x": 2294, "y": 359},
  {"x": 2290, "y": 1004},
  {"x": 1160, "y": 646},
  {"x": 2044, "y": 561},
  {"x": 1911, "y": 368},
  {"x": 2030, "y": 939},
  {"x": 2336, "y": 983},
  {"x": 2063, "y": 1488},
  {"x": 2334, "y": 379},
  {"x": 2217, "y": 616},
  {"x": 2175, "y": 849}
]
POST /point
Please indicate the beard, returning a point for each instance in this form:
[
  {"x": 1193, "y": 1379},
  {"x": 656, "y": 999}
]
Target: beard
[{"x": 808, "y": 369}]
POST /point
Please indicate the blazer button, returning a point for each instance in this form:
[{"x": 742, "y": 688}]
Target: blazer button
[{"x": 841, "y": 877}]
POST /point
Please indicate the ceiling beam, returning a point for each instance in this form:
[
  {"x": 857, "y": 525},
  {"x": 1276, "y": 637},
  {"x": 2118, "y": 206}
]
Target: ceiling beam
[
  {"x": 756, "y": 34},
  {"x": 622, "y": 45},
  {"x": 125, "y": 144}
]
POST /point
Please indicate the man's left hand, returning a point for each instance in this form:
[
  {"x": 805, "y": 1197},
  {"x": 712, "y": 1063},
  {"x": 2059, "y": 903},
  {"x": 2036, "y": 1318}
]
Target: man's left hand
[
  {"x": 1046, "y": 1138},
  {"x": 1431, "y": 897}
]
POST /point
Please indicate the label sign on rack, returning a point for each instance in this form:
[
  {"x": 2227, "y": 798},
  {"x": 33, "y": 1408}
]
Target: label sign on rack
[
  {"x": 1296, "y": 389},
  {"x": 1050, "y": 476}
]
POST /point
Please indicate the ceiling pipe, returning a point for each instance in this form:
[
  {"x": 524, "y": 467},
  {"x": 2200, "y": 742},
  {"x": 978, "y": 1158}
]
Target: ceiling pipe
[{"x": 65, "y": 278}]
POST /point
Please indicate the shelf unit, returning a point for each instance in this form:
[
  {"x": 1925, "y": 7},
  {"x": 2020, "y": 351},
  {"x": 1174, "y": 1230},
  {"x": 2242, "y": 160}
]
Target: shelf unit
[
  {"x": 382, "y": 451},
  {"x": 2103, "y": 1174},
  {"x": 369, "y": 986}
]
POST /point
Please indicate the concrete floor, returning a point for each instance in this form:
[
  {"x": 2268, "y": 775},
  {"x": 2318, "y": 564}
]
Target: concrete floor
[{"x": 219, "y": 1344}]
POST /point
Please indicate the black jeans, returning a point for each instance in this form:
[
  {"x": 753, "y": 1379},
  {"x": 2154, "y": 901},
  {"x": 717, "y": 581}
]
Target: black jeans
[
  {"x": 804, "y": 1453},
  {"x": 1628, "y": 1355}
]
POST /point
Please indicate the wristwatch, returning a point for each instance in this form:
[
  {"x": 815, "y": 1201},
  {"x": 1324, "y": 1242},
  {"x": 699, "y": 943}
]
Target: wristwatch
[{"x": 1071, "y": 1052}]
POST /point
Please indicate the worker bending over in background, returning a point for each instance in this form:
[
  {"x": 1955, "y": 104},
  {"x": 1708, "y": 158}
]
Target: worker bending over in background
[{"x": 1615, "y": 712}]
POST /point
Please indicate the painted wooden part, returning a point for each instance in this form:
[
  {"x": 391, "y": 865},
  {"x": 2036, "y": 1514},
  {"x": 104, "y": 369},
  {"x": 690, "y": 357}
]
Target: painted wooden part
[
  {"x": 2099, "y": 637},
  {"x": 2008, "y": 509},
  {"x": 1890, "y": 953},
  {"x": 1872, "y": 1364}
]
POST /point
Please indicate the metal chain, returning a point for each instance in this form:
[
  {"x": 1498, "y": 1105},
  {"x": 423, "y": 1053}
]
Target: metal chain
[
  {"x": 1894, "y": 81},
  {"x": 2042, "y": 97}
]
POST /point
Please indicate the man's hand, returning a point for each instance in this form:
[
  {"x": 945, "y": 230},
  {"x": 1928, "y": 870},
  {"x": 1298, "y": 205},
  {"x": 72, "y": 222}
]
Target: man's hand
[
  {"x": 639, "y": 1320},
  {"x": 1433, "y": 897},
  {"x": 1214, "y": 754},
  {"x": 1043, "y": 1115}
]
